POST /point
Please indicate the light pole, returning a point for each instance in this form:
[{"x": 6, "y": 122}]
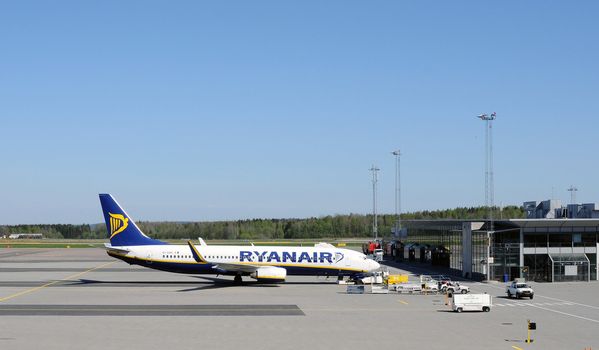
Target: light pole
[
  {"x": 489, "y": 185},
  {"x": 374, "y": 171},
  {"x": 397, "y": 229}
]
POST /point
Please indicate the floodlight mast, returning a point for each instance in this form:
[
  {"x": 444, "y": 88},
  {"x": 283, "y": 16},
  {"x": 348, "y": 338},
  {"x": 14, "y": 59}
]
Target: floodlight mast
[
  {"x": 489, "y": 178},
  {"x": 489, "y": 182}
]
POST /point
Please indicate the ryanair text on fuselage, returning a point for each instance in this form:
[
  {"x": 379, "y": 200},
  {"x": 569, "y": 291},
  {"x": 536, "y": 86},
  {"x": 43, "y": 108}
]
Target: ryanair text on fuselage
[{"x": 288, "y": 257}]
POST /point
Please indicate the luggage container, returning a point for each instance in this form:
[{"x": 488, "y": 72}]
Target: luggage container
[
  {"x": 374, "y": 289},
  {"x": 408, "y": 288},
  {"x": 353, "y": 289}
]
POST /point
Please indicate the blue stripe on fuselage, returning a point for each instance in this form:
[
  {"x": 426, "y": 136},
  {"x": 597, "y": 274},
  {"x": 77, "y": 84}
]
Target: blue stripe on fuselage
[
  {"x": 188, "y": 268},
  {"x": 200, "y": 268}
]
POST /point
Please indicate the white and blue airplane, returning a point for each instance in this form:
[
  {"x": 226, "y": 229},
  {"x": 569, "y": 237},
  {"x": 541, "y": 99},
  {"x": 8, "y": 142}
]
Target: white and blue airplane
[{"x": 263, "y": 263}]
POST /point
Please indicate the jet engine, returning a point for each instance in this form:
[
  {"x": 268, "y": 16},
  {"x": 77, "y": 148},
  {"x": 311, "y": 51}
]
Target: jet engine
[{"x": 269, "y": 274}]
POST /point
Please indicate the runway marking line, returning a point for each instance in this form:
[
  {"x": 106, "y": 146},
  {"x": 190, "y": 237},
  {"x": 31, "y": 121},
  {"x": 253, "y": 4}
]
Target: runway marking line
[
  {"x": 52, "y": 283},
  {"x": 403, "y": 302},
  {"x": 515, "y": 347},
  {"x": 565, "y": 313},
  {"x": 570, "y": 302}
]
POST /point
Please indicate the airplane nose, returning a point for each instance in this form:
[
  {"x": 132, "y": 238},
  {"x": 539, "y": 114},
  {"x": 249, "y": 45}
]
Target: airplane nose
[{"x": 374, "y": 265}]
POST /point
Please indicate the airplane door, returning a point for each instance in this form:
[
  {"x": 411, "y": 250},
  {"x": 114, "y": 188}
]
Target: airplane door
[
  {"x": 149, "y": 257},
  {"x": 347, "y": 261}
]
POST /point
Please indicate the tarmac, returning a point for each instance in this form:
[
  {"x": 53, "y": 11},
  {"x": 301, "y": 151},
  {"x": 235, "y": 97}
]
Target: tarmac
[{"x": 83, "y": 299}]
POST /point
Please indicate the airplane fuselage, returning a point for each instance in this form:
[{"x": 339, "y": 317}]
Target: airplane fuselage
[{"x": 296, "y": 260}]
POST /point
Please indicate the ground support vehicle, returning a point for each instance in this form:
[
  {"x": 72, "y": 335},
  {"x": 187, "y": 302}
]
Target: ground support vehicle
[
  {"x": 519, "y": 290},
  {"x": 392, "y": 281},
  {"x": 471, "y": 302},
  {"x": 429, "y": 284},
  {"x": 397, "y": 279},
  {"x": 377, "y": 255},
  {"x": 377, "y": 277},
  {"x": 454, "y": 288}
]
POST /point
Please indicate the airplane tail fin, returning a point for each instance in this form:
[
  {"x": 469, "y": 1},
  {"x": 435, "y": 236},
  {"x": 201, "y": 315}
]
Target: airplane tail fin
[{"x": 122, "y": 230}]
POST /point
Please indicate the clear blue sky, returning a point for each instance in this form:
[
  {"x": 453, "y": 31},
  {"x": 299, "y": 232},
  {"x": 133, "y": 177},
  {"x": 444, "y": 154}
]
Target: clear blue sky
[{"x": 197, "y": 110}]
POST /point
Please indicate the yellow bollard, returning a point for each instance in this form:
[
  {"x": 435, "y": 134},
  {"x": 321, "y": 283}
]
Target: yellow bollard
[{"x": 531, "y": 326}]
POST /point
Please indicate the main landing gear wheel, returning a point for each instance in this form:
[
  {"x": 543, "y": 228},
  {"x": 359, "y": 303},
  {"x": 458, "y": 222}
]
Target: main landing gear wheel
[{"x": 237, "y": 279}]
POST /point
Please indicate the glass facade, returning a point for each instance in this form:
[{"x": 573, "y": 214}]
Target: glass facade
[
  {"x": 593, "y": 265},
  {"x": 570, "y": 267},
  {"x": 559, "y": 248},
  {"x": 479, "y": 255},
  {"x": 442, "y": 241},
  {"x": 535, "y": 240},
  {"x": 505, "y": 250},
  {"x": 439, "y": 240},
  {"x": 538, "y": 267},
  {"x": 506, "y": 261},
  {"x": 572, "y": 244},
  {"x": 559, "y": 240}
]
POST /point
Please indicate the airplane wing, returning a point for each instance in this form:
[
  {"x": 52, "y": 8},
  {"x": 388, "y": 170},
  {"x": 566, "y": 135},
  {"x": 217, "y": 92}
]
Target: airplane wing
[
  {"x": 223, "y": 266},
  {"x": 237, "y": 267}
]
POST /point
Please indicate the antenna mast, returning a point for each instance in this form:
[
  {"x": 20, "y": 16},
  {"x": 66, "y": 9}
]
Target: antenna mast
[
  {"x": 397, "y": 229},
  {"x": 572, "y": 191},
  {"x": 374, "y": 171}
]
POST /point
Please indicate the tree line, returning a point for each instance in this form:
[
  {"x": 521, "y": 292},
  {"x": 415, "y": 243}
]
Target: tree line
[{"x": 331, "y": 226}]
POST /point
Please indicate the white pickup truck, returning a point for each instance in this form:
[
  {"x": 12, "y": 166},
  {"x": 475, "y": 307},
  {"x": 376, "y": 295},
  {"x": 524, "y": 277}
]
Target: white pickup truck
[{"x": 519, "y": 290}]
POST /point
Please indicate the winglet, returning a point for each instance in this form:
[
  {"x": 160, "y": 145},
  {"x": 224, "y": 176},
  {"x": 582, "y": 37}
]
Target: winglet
[{"x": 196, "y": 255}]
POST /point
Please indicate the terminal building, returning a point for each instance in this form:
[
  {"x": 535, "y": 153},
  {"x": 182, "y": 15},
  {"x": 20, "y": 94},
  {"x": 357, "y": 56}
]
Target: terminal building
[{"x": 553, "y": 244}]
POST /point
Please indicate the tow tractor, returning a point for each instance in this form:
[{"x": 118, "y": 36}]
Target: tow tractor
[
  {"x": 376, "y": 277},
  {"x": 454, "y": 288}
]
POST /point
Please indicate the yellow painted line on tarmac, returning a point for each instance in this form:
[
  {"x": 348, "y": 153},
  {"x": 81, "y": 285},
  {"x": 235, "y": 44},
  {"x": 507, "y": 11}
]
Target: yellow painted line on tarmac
[
  {"x": 55, "y": 282},
  {"x": 403, "y": 302},
  {"x": 515, "y": 347}
]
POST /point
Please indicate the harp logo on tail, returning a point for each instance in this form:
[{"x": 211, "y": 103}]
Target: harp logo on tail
[{"x": 118, "y": 224}]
